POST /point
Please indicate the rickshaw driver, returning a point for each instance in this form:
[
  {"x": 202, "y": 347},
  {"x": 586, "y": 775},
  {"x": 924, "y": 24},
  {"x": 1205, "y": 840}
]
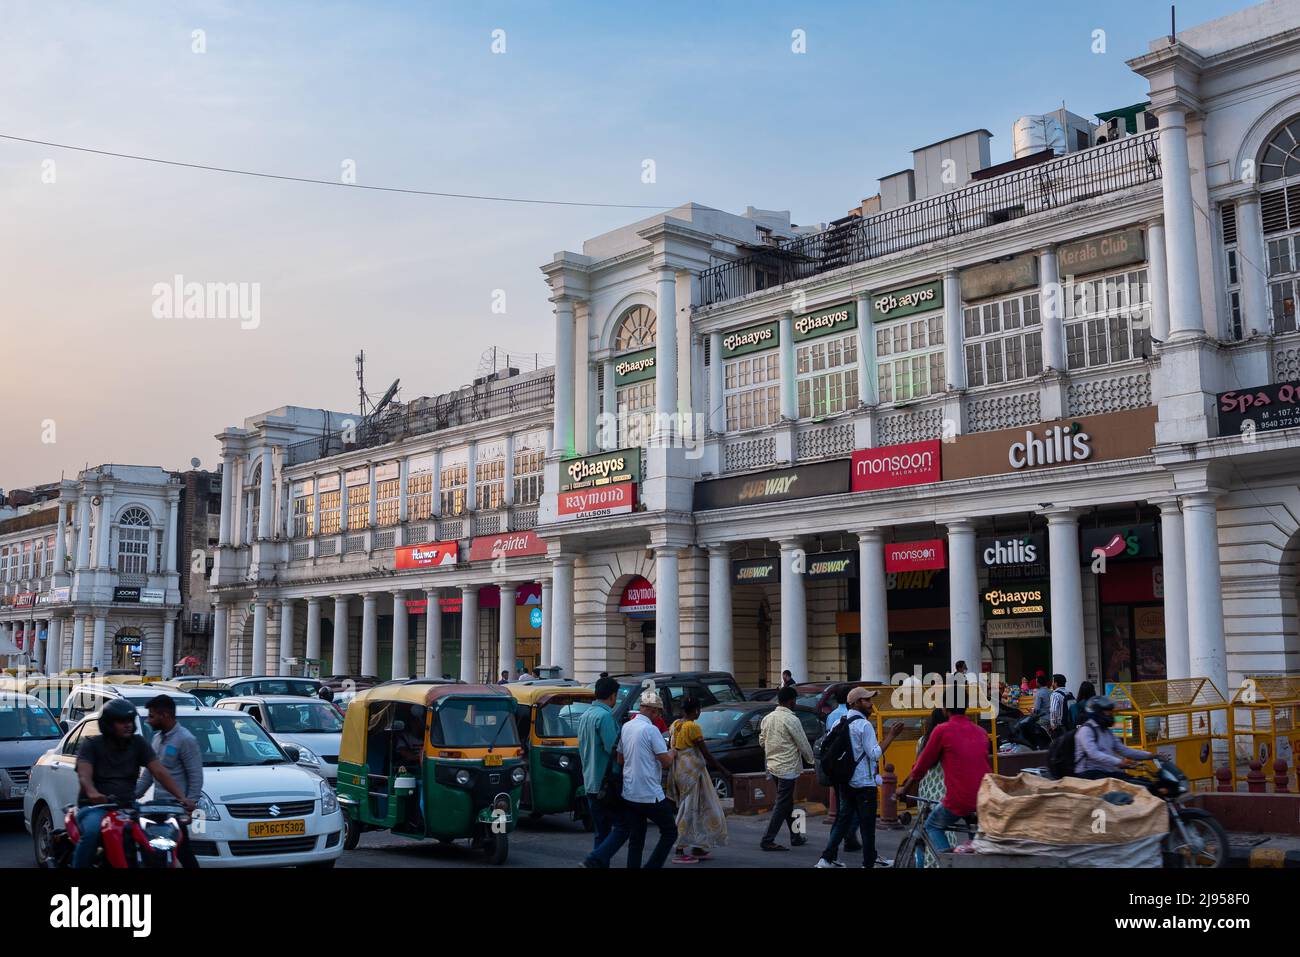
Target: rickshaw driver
[{"x": 408, "y": 749}]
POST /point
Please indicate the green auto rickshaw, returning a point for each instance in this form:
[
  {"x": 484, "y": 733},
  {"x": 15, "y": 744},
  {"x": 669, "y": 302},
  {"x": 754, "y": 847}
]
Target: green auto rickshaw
[
  {"x": 430, "y": 758},
  {"x": 548, "y": 727}
]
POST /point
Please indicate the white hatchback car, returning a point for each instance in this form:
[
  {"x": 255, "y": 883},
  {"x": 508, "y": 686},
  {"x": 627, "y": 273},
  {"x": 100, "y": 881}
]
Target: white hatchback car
[
  {"x": 258, "y": 809},
  {"x": 313, "y": 726}
]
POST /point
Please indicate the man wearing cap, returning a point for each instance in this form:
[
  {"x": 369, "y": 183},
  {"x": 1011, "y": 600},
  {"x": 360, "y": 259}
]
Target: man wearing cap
[
  {"x": 645, "y": 756},
  {"x": 785, "y": 748},
  {"x": 857, "y": 802}
]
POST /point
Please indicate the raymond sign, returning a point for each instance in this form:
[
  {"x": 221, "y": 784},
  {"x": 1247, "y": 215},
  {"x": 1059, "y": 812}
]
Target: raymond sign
[
  {"x": 509, "y": 545},
  {"x": 638, "y": 598},
  {"x": 893, "y": 466},
  {"x": 915, "y": 556},
  {"x": 596, "y": 502},
  {"x": 432, "y": 555}
]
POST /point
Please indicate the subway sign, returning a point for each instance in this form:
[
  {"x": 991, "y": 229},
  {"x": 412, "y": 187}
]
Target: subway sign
[
  {"x": 754, "y": 339},
  {"x": 826, "y": 322},
  {"x": 831, "y": 565},
  {"x": 756, "y": 571},
  {"x": 604, "y": 468},
  {"x": 776, "y": 485}
]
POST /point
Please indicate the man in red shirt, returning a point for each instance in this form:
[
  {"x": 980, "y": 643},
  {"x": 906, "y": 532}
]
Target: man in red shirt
[{"x": 961, "y": 748}]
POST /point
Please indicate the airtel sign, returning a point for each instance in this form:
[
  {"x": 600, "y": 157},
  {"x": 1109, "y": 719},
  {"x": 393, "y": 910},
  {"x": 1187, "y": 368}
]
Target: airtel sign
[{"x": 894, "y": 466}]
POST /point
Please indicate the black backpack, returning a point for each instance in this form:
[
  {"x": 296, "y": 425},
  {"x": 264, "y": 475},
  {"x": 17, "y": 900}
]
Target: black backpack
[
  {"x": 835, "y": 762},
  {"x": 1067, "y": 716},
  {"x": 1060, "y": 756}
]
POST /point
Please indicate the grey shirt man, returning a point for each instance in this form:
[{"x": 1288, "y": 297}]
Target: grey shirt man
[{"x": 178, "y": 750}]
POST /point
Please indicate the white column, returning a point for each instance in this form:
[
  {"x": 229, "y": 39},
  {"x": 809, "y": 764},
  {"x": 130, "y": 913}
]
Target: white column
[
  {"x": 668, "y": 650},
  {"x": 435, "y": 490},
  {"x": 471, "y": 486},
  {"x": 370, "y": 634},
  {"x": 432, "y": 635},
  {"x": 1051, "y": 306},
  {"x": 1178, "y": 661},
  {"x": 54, "y": 655},
  {"x": 789, "y": 395},
  {"x": 315, "y": 505},
  {"x": 562, "y": 615},
  {"x": 506, "y": 646},
  {"x": 227, "y": 499},
  {"x": 1158, "y": 273},
  {"x": 259, "y": 636},
  {"x": 83, "y": 532},
  {"x": 509, "y": 498},
  {"x": 60, "y": 539},
  {"x": 220, "y": 639},
  {"x": 546, "y": 647},
  {"x": 1204, "y": 590},
  {"x": 953, "y": 335},
  {"x": 963, "y": 596},
  {"x": 78, "y": 643},
  {"x": 266, "y": 496},
  {"x": 1252, "y": 266},
  {"x": 611, "y": 405},
  {"x": 250, "y": 530},
  {"x": 564, "y": 425},
  {"x": 1185, "y": 310},
  {"x": 97, "y": 645},
  {"x": 717, "y": 385},
  {"x": 313, "y": 629},
  {"x": 873, "y": 614},
  {"x": 339, "y": 652},
  {"x": 371, "y": 508},
  {"x": 343, "y": 502},
  {"x": 169, "y": 544},
  {"x": 401, "y": 637},
  {"x": 666, "y": 343},
  {"x": 286, "y": 637},
  {"x": 1067, "y": 595},
  {"x": 469, "y": 633},
  {"x": 103, "y": 530},
  {"x": 721, "y": 645},
  {"x": 866, "y": 353},
  {"x": 794, "y": 610},
  {"x": 169, "y": 647}
]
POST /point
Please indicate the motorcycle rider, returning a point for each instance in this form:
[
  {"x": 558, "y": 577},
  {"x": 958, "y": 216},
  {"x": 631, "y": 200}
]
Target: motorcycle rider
[
  {"x": 1098, "y": 753},
  {"x": 108, "y": 766}
]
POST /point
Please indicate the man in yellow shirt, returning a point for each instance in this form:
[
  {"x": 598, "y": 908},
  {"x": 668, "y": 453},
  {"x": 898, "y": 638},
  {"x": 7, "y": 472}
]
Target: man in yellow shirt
[{"x": 786, "y": 749}]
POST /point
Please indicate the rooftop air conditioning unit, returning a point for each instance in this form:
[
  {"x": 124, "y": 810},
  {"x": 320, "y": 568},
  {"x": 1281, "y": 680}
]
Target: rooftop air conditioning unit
[{"x": 1109, "y": 131}]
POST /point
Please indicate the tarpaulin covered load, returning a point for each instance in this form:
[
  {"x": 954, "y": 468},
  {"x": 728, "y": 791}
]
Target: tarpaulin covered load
[{"x": 1070, "y": 819}]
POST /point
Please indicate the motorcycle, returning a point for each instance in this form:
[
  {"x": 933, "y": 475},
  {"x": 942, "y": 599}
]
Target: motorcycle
[
  {"x": 1195, "y": 838},
  {"x": 146, "y": 834},
  {"x": 1028, "y": 731}
]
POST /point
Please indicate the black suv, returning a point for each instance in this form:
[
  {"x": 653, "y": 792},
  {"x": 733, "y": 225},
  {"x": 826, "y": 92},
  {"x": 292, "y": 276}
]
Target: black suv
[{"x": 708, "y": 687}]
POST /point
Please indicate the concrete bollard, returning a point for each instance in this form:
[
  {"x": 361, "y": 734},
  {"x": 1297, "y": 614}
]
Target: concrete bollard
[
  {"x": 888, "y": 812},
  {"x": 1255, "y": 779},
  {"x": 1280, "y": 777},
  {"x": 1223, "y": 777}
]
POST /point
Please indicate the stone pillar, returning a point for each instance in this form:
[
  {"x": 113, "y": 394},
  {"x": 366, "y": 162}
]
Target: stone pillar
[
  {"x": 564, "y": 415},
  {"x": 469, "y": 633},
  {"x": 471, "y": 479},
  {"x": 963, "y": 595},
  {"x": 873, "y": 613},
  {"x": 227, "y": 499},
  {"x": 78, "y": 643},
  {"x": 1186, "y": 318},
  {"x": 259, "y": 635},
  {"x": 403, "y": 475},
  {"x": 866, "y": 353},
  {"x": 509, "y": 481},
  {"x": 1252, "y": 265},
  {"x": 266, "y": 497},
  {"x": 1178, "y": 661},
  {"x": 169, "y": 546},
  {"x": 506, "y": 646},
  {"x": 54, "y": 656},
  {"x": 668, "y": 642},
  {"x": 953, "y": 335},
  {"x": 1158, "y": 274},
  {"x": 1068, "y": 656},
  {"x": 1051, "y": 309},
  {"x": 60, "y": 540},
  {"x": 1204, "y": 590},
  {"x": 97, "y": 646},
  {"x": 611, "y": 407},
  {"x": 432, "y": 635},
  {"x": 721, "y": 645},
  {"x": 313, "y": 630},
  {"x": 372, "y": 491},
  {"x": 169, "y": 647},
  {"x": 562, "y": 615},
  {"x": 546, "y": 647},
  {"x": 401, "y": 637},
  {"x": 220, "y": 639},
  {"x": 104, "y": 530},
  {"x": 339, "y": 652},
  {"x": 794, "y": 610},
  {"x": 666, "y": 347},
  {"x": 789, "y": 392},
  {"x": 370, "y": 633},
  {"x": 717, "y": 410},
  {"x": 285, "y": 649}
]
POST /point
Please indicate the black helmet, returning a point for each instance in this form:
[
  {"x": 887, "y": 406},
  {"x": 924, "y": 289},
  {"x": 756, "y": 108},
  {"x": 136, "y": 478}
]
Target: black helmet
[
  {"x": 1100, "y": 709},
  {"x": 119, "y": 709},
  {"x": 325, "y": 693}
]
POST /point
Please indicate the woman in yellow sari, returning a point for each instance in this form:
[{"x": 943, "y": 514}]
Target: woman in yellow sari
[{"x": 701, "y": 823}]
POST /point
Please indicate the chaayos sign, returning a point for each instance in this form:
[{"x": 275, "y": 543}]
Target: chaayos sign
[
  {"x": 596, "y": 502},
  {"x": 895, "y": 466},
  {"x": 915, "y": 556},
  {"x": 507, "y": 545},
  {"x": 432, "y": 555}
]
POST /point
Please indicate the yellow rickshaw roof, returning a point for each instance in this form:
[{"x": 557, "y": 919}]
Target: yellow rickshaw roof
[
  {"x": 423, "y": 693},
  {"x": 536, "y": 694}
]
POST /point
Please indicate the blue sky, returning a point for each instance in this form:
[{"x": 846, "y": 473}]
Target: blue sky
[{"x": 413, "y": 94}]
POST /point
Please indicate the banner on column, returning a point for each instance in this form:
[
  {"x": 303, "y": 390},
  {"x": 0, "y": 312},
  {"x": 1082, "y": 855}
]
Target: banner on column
[{"x": 915, "y": 556}]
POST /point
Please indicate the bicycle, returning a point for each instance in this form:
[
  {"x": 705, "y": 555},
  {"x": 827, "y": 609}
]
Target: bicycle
[{"x": 918, "y": 843}]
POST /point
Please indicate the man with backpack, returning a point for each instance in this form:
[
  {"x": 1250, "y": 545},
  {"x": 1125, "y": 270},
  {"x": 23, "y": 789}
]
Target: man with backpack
[
  {"x": 1060, "y": 718},
  {"x": 849, "y": 757}
]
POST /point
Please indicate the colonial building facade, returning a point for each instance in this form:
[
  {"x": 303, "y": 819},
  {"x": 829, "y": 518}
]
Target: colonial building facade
[{"x": 1033, "y": 415}]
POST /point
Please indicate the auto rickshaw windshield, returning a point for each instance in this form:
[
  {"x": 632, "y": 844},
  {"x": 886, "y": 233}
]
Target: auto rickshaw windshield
[
  {"x": 559, "y": 719},
  {"x": 473, "y": 723}
]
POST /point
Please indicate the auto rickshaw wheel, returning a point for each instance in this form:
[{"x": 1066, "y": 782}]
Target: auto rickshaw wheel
[
  {"x": 352, "y": 835},
  {"x": 497, "y": 848}
]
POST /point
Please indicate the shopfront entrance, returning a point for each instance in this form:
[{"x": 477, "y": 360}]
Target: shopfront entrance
[
  {"x": 128, "y": 646},
  {"x": 1130, "y": 598},
  {"x": 637, "y": 606}
]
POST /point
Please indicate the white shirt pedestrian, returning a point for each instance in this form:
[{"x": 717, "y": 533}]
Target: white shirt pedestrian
[{"x": 640, "y": 741}]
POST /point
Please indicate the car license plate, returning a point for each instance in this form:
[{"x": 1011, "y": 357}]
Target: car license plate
[
  {"x": 277, "y": 828},
  {"x": 491, "y": 760}
]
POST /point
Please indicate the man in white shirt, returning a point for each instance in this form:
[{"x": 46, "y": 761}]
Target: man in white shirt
[
  {"x": 645, "y": 755},
  {"x": 860, "y": 794}
]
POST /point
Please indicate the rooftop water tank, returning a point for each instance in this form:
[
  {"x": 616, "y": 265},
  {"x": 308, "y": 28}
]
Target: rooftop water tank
[{"x": 1033, "y": 134}]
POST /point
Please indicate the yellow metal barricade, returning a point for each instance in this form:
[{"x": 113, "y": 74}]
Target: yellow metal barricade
[
  {"x": 1264, "y": 726},
  {"x": 1174, "y": 719}
]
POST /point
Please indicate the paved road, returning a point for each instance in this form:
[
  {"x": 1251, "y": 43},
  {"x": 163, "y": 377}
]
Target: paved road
[{"x": 547, "y": 842}]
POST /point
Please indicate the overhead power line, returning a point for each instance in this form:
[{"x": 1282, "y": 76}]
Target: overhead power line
[{"x": 327, "y": 182}]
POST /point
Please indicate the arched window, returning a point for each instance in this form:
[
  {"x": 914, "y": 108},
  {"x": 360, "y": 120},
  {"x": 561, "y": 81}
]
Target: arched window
[
  {"x": 636, "y": 329},
  {"x": 134, "y": 534},
  {"x": 1279, "y": 164},
  {"x": 1281, "y": 155}
]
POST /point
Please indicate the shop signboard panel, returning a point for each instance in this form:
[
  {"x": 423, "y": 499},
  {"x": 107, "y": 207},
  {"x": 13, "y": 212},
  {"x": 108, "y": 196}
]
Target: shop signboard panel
[
  {"x": 756, "y": 571},
  {"x": 506, "y": 545},
  {"x": 597, "y": 502},
  {"x": 915, "y": 556},
  {"x": 1265, "y": 408},
  {"x": 604, "y": 468},
  {"x": 896, "y": 466},
  {"x": 431, "y": 555},
  {"x": 775, "y": 485}
]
